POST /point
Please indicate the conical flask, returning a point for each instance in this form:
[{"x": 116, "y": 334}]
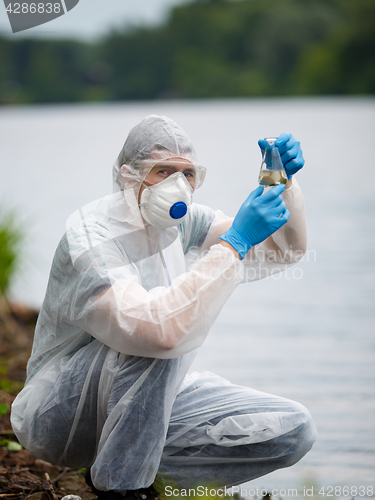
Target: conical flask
[{"x": 272, "y": 170}]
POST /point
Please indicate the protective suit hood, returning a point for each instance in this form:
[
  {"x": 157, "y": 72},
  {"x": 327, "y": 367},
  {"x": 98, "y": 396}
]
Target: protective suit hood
[{"x": 154, "y": 139}]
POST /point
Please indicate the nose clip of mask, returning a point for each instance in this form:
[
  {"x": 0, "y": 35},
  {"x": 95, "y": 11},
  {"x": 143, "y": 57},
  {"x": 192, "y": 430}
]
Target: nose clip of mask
[{"x": 167, "y": 203}]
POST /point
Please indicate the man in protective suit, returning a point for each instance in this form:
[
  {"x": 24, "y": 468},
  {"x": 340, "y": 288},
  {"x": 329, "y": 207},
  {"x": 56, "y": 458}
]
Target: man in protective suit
[{"x": 136, "y": 283}]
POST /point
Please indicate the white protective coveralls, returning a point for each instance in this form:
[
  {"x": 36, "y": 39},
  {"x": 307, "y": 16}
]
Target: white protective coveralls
[{"x": 126, "y": 307}]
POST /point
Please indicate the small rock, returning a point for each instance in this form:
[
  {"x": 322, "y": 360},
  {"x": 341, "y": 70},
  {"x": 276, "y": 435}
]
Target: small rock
[{"x": 71, "y": 497}]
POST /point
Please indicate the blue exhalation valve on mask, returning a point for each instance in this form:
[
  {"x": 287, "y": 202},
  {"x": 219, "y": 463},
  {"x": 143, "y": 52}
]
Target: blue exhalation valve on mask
[{"x": 178, "y": 210}]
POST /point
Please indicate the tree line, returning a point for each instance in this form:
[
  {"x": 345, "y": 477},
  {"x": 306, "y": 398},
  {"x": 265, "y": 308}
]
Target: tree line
[{"x": 205, "y": 48}]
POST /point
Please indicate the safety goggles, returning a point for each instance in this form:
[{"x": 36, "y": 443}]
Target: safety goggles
[{"x": 193, "y": 172}]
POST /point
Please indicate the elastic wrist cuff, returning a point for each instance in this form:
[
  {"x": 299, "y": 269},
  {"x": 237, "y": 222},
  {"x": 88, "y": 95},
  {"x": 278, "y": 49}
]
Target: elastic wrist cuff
[{"x": 232, "y": 237}]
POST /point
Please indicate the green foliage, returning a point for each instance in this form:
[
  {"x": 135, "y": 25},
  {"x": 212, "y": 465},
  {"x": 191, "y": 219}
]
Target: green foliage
[
  {"x": 344, "y": 62},
  {"x": 256, "y": 43},
  {"x": 43, "y": 71},
  {"x": 206, "y": 48},
  {"x": 10, "y": 240},
  {"x": 139, "y": 64},
  {"x": 11, "y": 386},
  {"x": 4, "y": 409}
]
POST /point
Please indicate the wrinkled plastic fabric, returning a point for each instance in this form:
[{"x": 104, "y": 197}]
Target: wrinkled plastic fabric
[
  {"x": 154, "y": 139},
  {"x": 126, "y": 307}
]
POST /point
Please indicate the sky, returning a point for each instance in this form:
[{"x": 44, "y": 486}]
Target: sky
[{"x": 90, "y": 19}]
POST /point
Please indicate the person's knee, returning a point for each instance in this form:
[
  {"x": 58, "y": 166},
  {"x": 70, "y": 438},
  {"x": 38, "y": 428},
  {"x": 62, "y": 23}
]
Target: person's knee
[{"x": 302, "y": 437}]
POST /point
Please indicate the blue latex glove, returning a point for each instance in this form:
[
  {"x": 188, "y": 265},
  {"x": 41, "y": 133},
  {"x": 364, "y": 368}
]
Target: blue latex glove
[
  {"x": 258, "y": 218},
  {"x": 290, "y": 152}
]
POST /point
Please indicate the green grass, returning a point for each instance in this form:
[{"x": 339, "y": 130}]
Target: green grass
[
  {"x": 11, "y": 236},
  {"x": 4, "y": 409}
]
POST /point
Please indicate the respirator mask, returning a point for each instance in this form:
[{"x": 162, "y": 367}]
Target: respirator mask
[{"x": 167, "y": 203}]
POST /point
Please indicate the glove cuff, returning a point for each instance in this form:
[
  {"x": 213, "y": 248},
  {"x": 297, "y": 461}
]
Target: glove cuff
[{"x": 237, "y": 242}]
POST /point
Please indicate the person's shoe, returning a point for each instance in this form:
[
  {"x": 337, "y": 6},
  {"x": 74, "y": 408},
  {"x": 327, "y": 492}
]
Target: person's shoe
[
  {"x": 142, "y": 494},
  {"x": 110, "y": 495},
  {"x": 90, "y": 483}
]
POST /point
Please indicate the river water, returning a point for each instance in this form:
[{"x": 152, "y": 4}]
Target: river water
[{"x": 307, "y": 334}]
